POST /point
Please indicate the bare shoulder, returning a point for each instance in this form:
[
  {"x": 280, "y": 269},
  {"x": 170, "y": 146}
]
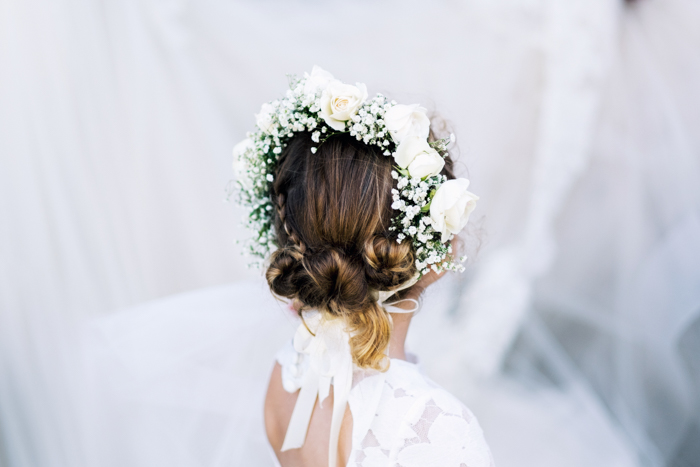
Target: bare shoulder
[{"x": 279, "y": 405}]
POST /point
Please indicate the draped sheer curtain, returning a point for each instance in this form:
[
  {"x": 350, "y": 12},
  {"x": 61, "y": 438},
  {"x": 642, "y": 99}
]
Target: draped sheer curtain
[{"x": 575, "y": 122}]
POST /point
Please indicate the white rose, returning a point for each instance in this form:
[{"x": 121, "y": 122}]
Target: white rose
[
  {"x": 416, "y": 154},
  {"x": 407, "y": 120},
  {"x": 264, "y": 118},
  {"x": 240, "y": 165},
  {"x": 451, "y": 206},
  {"x": 317, "y": 81},
  {"x": 339, "y": 102},
  {"x": 426, "y": 164}
]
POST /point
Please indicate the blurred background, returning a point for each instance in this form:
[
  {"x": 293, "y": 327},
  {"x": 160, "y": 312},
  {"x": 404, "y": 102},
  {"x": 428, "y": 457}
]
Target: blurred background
[{"x": 132, "y": 331}]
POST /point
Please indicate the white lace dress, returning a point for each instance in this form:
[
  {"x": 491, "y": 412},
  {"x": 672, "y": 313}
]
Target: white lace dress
[{"x": 400, "y": 417}]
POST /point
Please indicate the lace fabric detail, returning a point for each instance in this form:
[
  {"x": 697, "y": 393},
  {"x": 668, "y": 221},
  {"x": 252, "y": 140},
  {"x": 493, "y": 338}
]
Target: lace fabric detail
[
  {"x": 403, "y": 419},
  {"x": 438, "y": 431}
]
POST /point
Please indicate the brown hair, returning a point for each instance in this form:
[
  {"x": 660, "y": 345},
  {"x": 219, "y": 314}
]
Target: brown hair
[{"x": 332, "y": 219}]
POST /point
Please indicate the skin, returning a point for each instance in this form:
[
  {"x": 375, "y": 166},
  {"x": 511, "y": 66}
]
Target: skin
[{"x": 279, "y": 404}]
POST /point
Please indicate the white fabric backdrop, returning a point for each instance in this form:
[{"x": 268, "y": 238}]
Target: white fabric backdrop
[{"x": 576, "y": 122}]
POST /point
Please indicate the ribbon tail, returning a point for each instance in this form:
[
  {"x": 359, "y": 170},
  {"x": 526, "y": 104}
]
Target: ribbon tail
[
  {"x": 342, "y": 384},
  {"x": 301, "y": 416},
  {"x": 324, "y": 388},
  {"x": 384, "y": 295},
  {"x": 362, "y": 424},
  {"x": 390, "y": 308}
]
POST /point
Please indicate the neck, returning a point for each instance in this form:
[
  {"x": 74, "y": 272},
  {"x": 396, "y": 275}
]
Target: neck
[{"x": 397, "y": 342}]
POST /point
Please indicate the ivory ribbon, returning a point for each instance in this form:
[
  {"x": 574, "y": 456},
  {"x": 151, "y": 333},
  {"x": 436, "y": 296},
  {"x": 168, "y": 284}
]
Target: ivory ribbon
[
  {"x": 382, "y": 297},
  {"x": 327, "y": 345}
]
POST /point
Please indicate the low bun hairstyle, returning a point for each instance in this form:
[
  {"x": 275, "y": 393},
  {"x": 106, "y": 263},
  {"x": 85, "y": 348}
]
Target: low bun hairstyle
[{"x": 332, "y": 219}]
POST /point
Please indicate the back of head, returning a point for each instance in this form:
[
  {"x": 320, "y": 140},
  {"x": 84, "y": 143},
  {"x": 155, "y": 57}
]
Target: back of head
[
  {"x": 333, "y": 213},
  {"x": 349, "y": 196}
]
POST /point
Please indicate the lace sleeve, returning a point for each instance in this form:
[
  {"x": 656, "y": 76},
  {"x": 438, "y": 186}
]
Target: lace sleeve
[{"x": 440, "y": 431}]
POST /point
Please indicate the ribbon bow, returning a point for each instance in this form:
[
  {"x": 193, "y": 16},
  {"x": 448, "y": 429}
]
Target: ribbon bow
[{"x": 326, "y": 344}]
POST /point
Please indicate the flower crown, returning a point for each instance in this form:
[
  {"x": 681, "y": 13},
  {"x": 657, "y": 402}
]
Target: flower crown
[{"x": 429, "y": 208}]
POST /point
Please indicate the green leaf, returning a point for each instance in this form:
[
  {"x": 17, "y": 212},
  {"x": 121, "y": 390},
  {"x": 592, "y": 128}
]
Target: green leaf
[{"x": 403, "y": 172}]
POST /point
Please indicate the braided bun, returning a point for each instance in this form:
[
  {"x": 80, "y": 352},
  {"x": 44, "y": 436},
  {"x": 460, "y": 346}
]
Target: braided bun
[
  {"x": 337, "y": 281},
  {"x": 323, "y": 278},
  {"x": 332, "y": 219},
  {"x": 387, "y": 262},
  {"x": 282, "y": 274}
]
